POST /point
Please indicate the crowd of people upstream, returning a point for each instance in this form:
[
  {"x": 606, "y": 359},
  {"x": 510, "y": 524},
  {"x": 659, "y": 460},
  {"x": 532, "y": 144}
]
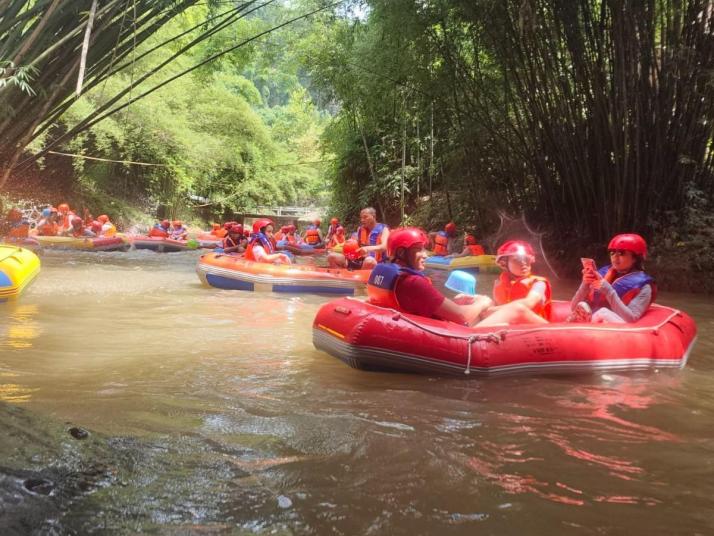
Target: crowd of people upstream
[{"x": 618, "y": 292}]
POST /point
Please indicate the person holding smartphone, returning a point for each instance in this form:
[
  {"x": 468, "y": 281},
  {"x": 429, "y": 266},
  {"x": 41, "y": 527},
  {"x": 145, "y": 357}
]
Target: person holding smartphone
[{"x": 619, "y": 292}]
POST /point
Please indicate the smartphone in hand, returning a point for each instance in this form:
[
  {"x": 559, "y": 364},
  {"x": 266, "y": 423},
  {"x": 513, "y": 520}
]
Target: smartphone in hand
[{"x": 589, "y": 264}]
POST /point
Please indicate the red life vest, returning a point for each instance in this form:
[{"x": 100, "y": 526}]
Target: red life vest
[
  {"x": 47, "y": 228},
  {"x": 441, "y": 244},
  {"x": 507, "y": 289},
  {"x": 258, "y": 239},
  {"x": 159, "y": 232}
]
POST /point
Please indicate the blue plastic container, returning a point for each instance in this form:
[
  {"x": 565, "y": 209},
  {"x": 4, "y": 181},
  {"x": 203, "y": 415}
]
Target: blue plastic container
[{"x": 461, "y": 282}]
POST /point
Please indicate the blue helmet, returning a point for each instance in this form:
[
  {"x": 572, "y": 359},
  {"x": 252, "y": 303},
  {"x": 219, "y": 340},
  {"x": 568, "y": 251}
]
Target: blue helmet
[{"x": 46, "y": 212}]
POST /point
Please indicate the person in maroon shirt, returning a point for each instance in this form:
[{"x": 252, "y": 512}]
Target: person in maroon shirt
[{"x": 412, "y": 292}]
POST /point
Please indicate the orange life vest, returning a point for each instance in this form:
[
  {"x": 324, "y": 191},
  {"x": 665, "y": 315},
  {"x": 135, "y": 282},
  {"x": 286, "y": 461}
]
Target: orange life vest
[
  {"x": 366, "y": 237},
  {"x": 19, "y": 230},
  {"x": 476, "y": 250},
  {"x": 441, "y": 244},
  {"x": 312, "y": 236},
  {"x": 507, "y": 289},
  {"x": 47, "y": 229}
]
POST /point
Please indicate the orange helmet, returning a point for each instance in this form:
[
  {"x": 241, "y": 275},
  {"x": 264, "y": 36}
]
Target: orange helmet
[
  {"x": 350, "y": 250},
  {"x": 177, "y": 223},
  {"x": 103, "y": 218},
  {"x": 215, "y": 226},
  {"x": 317, "y": 221},
  {"x": 334, "y": 221},
  {"x": 63, "y": 207},
  {"x": 517, "y": 248},
  {"x": 470, "y": 240}
]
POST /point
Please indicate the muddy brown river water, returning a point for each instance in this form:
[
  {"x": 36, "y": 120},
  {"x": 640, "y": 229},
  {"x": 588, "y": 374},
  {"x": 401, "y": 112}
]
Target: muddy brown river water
[{"x": 210, "y": 412}]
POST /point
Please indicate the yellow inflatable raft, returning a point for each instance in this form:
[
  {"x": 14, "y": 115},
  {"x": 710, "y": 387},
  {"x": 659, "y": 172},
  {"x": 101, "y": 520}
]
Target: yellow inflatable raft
[
  {"x": 18, "y": 267},
  {"x": 482, "y": 263}
]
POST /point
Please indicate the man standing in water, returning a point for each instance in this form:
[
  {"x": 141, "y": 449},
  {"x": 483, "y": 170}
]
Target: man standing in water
[{"x": 372, "y": 237}]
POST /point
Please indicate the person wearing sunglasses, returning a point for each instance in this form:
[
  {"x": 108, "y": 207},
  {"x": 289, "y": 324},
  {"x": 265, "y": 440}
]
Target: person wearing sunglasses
[
  {"x": 619, "y": 292},
  {"x": 520, "y": 297}
]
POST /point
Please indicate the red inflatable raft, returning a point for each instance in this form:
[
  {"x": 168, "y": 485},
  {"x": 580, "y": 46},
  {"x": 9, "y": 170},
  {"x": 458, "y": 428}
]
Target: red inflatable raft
[{"x": 369, "y": 337}]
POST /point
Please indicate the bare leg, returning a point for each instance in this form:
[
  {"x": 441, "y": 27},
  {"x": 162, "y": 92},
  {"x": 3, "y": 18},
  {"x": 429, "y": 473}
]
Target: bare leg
[
  {"x": 512, "y": 313},
  {"x": 336, "y": 260},
  {"x": 369, "y": 263}
]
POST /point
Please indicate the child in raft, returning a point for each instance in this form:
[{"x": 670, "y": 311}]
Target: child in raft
[
  {"x": 234, "y": 241},
  {"x": 471, "y": 248},
  {"x": 619, "y": 292},
  {"x": 519, "y": 296},
  {"x": 261, "y": 247}
]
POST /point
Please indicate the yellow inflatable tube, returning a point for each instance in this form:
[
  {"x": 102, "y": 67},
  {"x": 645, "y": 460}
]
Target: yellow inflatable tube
[{"x": 18, "y": 267}]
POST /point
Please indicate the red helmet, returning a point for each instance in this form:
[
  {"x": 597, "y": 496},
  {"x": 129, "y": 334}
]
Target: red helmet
[
  {"x": 405, "y": 237},
  {"x": 14, "y": 215},
  {"x": 215, "y": 226},
  {"x": 629, "y": 242},
  {"x": 103, "y": 218},
  {"x": 63, "y": 207},
  {"x": 237, "y": 229},
  {"x": 340, "y": 230},
  {"x": 246, "y": 232},
  {"x": 96, "y": 226},
  {"x": 317, "y": 221},
  {"x": 517, "y": 248},
  {"x": 450, "y": 228},
  {"x": 470, "y": 240},
  {"x": 262, "y": 222},
  {"x": 290, "y": 228},
  {"x": 349, "y": 250},
  {"x": 334, "y": 221},
  {"x": 228, "y": 225},
  {"x": 165, "y": 224},
  {"x": 77, "y": 221}
]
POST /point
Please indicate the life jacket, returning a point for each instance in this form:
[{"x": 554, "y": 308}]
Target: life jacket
[
  {"x": 382, "y": 284},
  {"x": 291, "y": 238},
  {"x": 627, "y": 287},
  {"x": 371, "y": 238},
  {"x": 158, "y": 231},
  {"x": 220, "y": 233},
  {"x": 261, "y": 240},
  {"x": 65, "y": 221},
  {"x": 441, "y": 243},
  {"x": 476, "y": 250},
  {"x": 312, "y": 236},
  {"x": 507, "y": 289},
  {"x": 179, "y": 234},
  {"x": 19, "y": 229},
  {"x": 47, "y": 228},
  {"x": 279, "y": 236}
]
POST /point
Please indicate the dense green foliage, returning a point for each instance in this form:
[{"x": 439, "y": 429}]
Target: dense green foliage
[
  {"x": 235, "y": 133},
  {"x": 591, "y": 116}
]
